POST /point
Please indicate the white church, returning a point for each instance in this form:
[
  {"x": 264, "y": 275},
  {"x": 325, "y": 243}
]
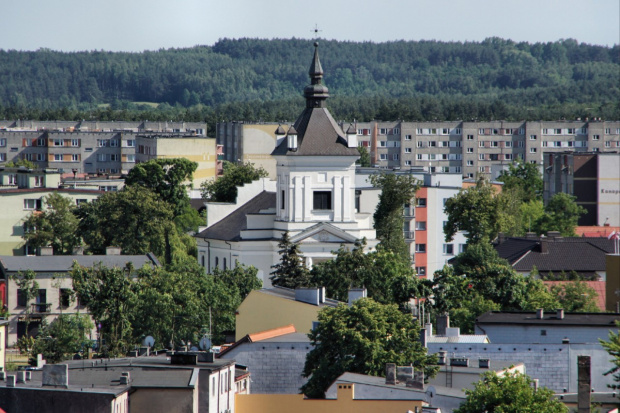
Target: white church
[{"x": 314, "y": 197}]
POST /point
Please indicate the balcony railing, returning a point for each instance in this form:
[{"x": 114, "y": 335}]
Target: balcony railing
[
  {"x": 409, "y": 234},
  {"x": 41, "y": 307}
]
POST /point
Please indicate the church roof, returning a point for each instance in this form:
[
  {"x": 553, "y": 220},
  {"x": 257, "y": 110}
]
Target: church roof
[
  {"x": 318, "y": 134},
  {"x": 229, "y": 228}
]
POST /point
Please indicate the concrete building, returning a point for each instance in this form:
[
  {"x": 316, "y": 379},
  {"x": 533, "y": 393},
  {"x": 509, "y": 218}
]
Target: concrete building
[
  {"x": 177, "y": 383},
  {"x": 249, "y": 142},
  {"x": 23, "y": 192},
  {"x": 593, "y": 178},
  {"x": 468, "y": 148},
  {"x": 314, "y": 199},
  {"x": 199, "y": 149},
  {"x": 53, "y": 295},
  {"x": 91, "y": 147},
  {"x": 612, "y": 284}
]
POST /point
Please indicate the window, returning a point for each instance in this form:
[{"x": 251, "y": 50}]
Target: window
[
  {"x": 41, "y": 142},
  {"x": 65, "y": 297},
  {"x": 102, "y": 143},
  {"x": 407, "y": 163},
  {"x": 41, "y": 157},
  {"x": 521, "y": 131},
  {"x": 282, "y": 199},
  {"x": 407, "y": 150},
  {"x": 21, "y": 298},
  {"x": 608, "y": 144},
  {"x": 448, "y": 249},
  {"x": 481, "y": 144},
  {"x": 131, "y": 158},
  {"x": 462, "y": 248},
  {"x": 470, "y": 137},
  {"x": 27, "y": 142},
  {"x": 420, "y": 270},
  {"x": 481, "y": 156},
  {"x": 79, "y": 202},
  {"x": 217, "y": 262},
  {"x": 470, "y": 150},
  {"x": 225, "y": 265},
  {"x": 75, "y": 142},
  {"x": 114, "y": 157},
  {"x": 532, "y": 150},
  {"x": 3, "y": 142},
  {"x": 420, "y": 202},
  {"x": 395, "y": 157},
  {"x": 57, "y": 142},
  {"x": 2, "y": 157},
  {"x": 543, "y": 332},
  {"x": 508, "y": 144},
  {"x": 481, "y": 169},
  {"x": 520, "y": 144},
  {"x": 420, "y": 225},
  {"x": 322, "y": 200},
  {"x": 38, "y": 181},
  {"x": 130, "y": 143},
  {"x": 432, "y": 144},
  {"x": 419, "y": 156},
  {"x": 57, "y": 157},
  {"x": 75, "y": 157},
  {"x": 101, "y": 157},
  {"x": 494, "y": 144},
  {"x": 596, "y": 137},
  {"x": 382, "y": 144},
  {"x": 88, "y": 149},
  {"x": 420, "y": 144},
  {"x": 470, "y": 175},
  {"x": 407, "y": 137},
  {"x": 114, "y": 143},
  {"x": 383, "y": 156},
  {"x": 383, "y": 131},
  {"x": 532, "y": 137},
  {"x": 607, "y": 131},
  {"x": 508, "y": 156},
  {"x": 480, "y": 131},
  {"x": 470, "y": 163},
  {"x": 494, "y": 157},
  {"x": 14, "y": 149},
  {"x": 420, "y": 248},
  {"x": 28, "y": 156}
]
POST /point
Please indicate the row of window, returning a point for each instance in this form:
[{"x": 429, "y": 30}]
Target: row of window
[
  {"x": 448, "y": 249},
  {"x": 485, "y": 131},
  {"x": 439, "y": 156},
  {"x": 35, "y": 204},
  {"x": 438, "y": 131},
  {"x": 115, "y": 143},
  {"x": 41, "y": 304}
]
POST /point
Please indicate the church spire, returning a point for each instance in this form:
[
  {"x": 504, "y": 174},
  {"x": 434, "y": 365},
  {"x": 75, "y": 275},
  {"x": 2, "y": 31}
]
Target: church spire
[{"x": 316, "y": 93}]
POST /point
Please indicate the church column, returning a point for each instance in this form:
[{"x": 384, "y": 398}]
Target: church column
[
  {"x": 337, "y": 195},
  {"x": 298, "y": 199},
  {"x": 347, "y": 205},
  {"x": 308, "y": 198}
]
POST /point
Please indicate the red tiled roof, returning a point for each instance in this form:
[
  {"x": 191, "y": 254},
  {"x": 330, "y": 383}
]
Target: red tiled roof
[
  {"x": 261, "y": 335},
  {"x": 598, "y": 286},
  {"x": 595, "y": 231}
]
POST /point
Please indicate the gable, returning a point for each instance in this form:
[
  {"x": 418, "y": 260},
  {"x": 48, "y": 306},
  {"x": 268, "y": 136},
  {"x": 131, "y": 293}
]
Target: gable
[{"x": 323, "y": 233}]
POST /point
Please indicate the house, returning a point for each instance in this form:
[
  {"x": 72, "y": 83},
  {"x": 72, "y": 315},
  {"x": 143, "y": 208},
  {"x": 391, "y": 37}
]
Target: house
[
  {"x": 23, "y": 192},
  {"x": 54, "y": 285},
  {"x": 275, "y": 358},
  {"x": 181, "y": 382},
  {"x": 271, "y": 308},
  {"x": 556, "y": 254},
  {"x": 314, "y": 199}
]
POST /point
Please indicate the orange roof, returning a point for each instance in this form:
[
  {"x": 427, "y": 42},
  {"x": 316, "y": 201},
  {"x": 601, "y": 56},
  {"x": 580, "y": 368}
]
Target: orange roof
[
  {"x": 595, "y": 231},
  {"x": 274, "y": 332},
  {"x": 598, "y": 286}
]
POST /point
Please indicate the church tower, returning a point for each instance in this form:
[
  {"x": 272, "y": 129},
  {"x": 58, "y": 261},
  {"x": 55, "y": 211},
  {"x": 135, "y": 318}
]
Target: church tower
[{"x": 315, "y": 164}]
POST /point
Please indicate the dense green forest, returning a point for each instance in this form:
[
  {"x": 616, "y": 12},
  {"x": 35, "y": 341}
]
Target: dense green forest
[{"x": 254, "y": 79}]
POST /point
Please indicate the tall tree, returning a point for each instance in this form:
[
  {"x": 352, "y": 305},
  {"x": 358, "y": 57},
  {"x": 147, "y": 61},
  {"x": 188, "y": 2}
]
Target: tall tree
[
  {"x": 510, "y": 393},
  {"x": 364, "y": 160},
  {"x": 56, "y": 226},
  {"x": 562, "y": 214},
  {"x": 396, "y": 191},
  {"x": 224, "y": 188},
  {"x": 613, "y": 348},
  {"x": 62, "y": 338},
  {"x": 291, "y": 271},
  {"x": 525, "y": 177},
  {"x": 362, "y": 338},
  {"x": 28, "y": 287},
  {"x": 474, "y": 210},
  {"x": 576, "y": 297}
]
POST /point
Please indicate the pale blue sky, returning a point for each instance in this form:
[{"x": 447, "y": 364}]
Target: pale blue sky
[{"x": 136, "y": 25}]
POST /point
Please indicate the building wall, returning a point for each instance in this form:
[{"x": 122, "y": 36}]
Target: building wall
[
  {"x": 3, "y": 330},
  {"x": 261, "y": 311},
  {"x": 346, "y": 402},
  {"x": 275, "y": 367},
  {"x": 163, "y": 400},
  {"x": 608, "y": 189},
  {"x": 544, "y": 334},
  {"x": 24, "y": 399},
  {"x": 249, "y": 142},
  {"x": 612, "y": 284},
  {"x": 555, "y": 365}
]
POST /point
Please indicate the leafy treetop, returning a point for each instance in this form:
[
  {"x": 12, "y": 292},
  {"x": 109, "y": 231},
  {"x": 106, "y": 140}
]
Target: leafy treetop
[{"x": 224, "y": 188}]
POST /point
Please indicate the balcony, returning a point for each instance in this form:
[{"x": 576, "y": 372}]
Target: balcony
[
  {"x": 41, "y": 307},
  {"x": 409, "y": 234}
]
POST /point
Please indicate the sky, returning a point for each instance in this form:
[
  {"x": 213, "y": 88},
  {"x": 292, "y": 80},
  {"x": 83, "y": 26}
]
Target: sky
[{"x": 137, "y": 25}]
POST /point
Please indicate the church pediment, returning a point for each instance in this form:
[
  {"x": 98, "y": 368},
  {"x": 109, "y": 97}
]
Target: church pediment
[{"x": 323, "y": 233}]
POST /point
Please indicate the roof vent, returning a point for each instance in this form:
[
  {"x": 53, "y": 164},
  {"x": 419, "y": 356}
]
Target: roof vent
[
  {"x": 560, "y": 314},
  {"x": 540, "y": 314}
]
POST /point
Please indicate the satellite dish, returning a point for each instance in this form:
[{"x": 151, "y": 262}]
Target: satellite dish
[
  {"x": 148, "y": 341},
  {"x": 205, "y": 344},
  {"x": 431, "y": 392},
  {"x": 194, "y": 348}
]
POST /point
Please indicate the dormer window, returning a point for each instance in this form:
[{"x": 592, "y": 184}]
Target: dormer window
[
  {"x": 322, "y": 200},
  {"x": 291, "y": 138}
]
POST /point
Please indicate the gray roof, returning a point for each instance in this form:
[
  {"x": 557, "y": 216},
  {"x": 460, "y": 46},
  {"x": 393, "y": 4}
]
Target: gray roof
[
  {"x": 63, "y": 263},
  {"x": 357, "y": 378},
  {"x": 460, "y": 339},
  {"x": 289, "y": 294},
  {"x": 229, "y": 228},
  {"x": 549, "y": 318}
]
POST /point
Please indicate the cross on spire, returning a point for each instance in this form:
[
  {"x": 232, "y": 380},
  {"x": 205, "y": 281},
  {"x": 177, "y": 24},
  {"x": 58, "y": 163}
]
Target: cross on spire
[{"x": 316, "y": 31}]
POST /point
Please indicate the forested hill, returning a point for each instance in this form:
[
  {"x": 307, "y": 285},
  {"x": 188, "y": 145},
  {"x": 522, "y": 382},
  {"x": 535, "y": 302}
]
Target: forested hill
[{"x": 362, "y": 77}]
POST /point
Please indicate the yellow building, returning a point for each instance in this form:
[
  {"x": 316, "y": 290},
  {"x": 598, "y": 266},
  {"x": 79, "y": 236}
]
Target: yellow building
[
  {"x": 271, "y": 308},
  {"x": 200, "y": 149},
  {"x": 3, "y": 326},
  {"x": 345, "y": 402},
  {"x": 22, "y": 192},
  {"x": 612, "y": 285}
]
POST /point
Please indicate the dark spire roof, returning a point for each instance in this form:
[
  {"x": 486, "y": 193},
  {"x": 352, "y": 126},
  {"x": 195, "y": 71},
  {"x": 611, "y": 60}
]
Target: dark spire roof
[
  {"x": 318, "y": 134},
  {"x": 280, "y": 130},
  {"x": 351, "y": 130}
]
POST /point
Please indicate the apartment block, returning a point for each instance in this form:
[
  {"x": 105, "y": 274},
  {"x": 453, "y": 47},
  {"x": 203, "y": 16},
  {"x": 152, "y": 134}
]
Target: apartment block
[
  {"x": 83, "y": 147},
  {"x": 468, "y": 148}
]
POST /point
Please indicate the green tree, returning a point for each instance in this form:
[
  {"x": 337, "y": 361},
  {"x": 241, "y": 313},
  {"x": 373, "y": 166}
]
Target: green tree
[
  {"x": 364, "y": 160},
  {"x": 526, "y": 178},
  {"x": 224, "y": 188},
  {"x": 613, "y": 348},
  {"x": 474, "y": 210},
  {"x": 57, "y": 226},
  {"x": 509, "y": 393},
  {"x": 62, "y": 338},
  {"x": 108, "y": 294},
  {"x": 576, "y": 296},
  {"x": 362, "y": 338},
  {"x": 28, "y": 287},
  {"x": 21, "y": 162},
  {"x": 396, "y": 191},
  {"x": 167, "y": 178},
  {"x": 387, "y": 277},
  {"x": 134, "y": 219},
  {"x": 562, "y": 214},
  {"x": 240, "y": 278},
  {"x": 291, "y": 271}
]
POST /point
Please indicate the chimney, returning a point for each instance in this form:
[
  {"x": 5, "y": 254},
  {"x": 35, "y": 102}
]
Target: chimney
[
  {"x": 583, "y": 384},
  {"x": 443, "y": 323},
  {"x": 501, "y": 237},
  {"x": 21, "y": 377},
  {"x": 56, "y": 375},
  {"x": 10, "y": 380},
  {"x": 112, "y": 251},
  {"x": 429, "y": 329},
  {"x": 560, "y": 314},
  {"x": 356, "y": 294},
  {"x": 322, "y": 294},
  {"x": 78, "y": 251},
  {"x": 125, "y": 378},
  {"x": 554, "y": 235},
  {"x": 543, "y": 246},
  {"x": 46, "y": 251},
  {"x": 423, "y": 337},
  {"x": 310, "y": 295},
  {"x": 453, "y": 332},
  {"x": 530, "y": 235},
  {"x": 540, "y": 314},
  {"x": 351, "y": 137},
  {"x": 441, "y": 358},
  {"x": 404, "y": 373},
  {"x": 417, "y": 382},
  {"x": 390, "y": 373}
]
